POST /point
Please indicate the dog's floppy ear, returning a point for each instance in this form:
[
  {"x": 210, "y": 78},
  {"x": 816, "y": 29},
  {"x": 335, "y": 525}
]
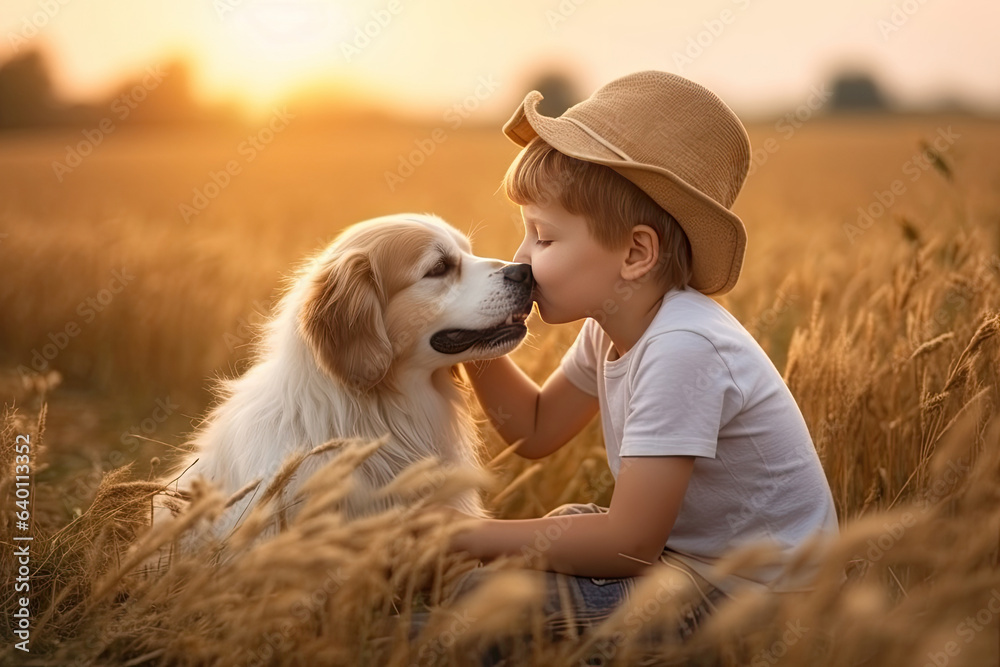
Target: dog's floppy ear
[{"x": 342, "y": 319}]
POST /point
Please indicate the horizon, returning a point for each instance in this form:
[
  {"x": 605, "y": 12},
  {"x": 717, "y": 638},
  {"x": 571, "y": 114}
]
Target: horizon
[{"x": 258, "y": 53}]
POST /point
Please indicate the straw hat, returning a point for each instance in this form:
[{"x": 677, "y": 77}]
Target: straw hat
[{"x": 674, "y": 139}]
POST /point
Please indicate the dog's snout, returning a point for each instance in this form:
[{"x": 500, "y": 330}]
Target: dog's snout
[{"x": 518, "y": 273}]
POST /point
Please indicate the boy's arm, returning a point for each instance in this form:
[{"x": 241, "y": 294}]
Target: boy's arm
[
  {"x": 644, "y": 507},
  {"x": 542, "y": 419}
]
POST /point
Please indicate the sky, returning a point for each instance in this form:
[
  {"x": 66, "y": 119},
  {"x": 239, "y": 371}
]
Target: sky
[{"x": 760, "y": 56}]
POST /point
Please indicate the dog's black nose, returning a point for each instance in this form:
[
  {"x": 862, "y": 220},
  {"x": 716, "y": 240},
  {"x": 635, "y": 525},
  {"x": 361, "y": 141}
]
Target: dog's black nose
[{"x": 518, "y": 273}]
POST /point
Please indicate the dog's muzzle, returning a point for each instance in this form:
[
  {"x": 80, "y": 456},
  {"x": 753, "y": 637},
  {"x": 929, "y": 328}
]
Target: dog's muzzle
[{"x": 519, "y": 283}]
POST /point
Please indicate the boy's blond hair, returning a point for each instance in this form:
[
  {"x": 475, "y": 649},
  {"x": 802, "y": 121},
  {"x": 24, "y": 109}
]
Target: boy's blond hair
[{"x": 610, "y": 203}]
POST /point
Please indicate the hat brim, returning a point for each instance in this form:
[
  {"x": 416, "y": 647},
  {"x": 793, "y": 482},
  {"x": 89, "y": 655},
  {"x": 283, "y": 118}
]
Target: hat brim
[{"x": 717, "y": 235}]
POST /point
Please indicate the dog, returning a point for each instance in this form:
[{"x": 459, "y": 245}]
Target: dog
[{"x": 363, "y": 345}]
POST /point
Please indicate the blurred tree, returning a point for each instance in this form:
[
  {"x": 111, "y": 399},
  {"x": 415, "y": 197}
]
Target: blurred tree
[
  {"x": 158, "y": 94},
  {"x": 559, "y": 91},
  {"x": 857, "y": 91},
  {"x": 26, "y": 92}
]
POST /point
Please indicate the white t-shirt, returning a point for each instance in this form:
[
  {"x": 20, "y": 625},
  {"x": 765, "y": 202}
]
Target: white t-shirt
[{"x": 696, "y": 383}]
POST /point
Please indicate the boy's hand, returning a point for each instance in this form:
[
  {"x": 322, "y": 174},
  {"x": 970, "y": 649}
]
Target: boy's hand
[
  {"x": 451, "y": 514},
  {"x": 538, "y": 420},
  {"x": 462, "y": 540}
]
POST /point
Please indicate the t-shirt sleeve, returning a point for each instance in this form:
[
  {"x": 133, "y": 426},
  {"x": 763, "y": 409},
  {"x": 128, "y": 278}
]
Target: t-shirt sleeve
[
  {"x": 682, "y": 392},
  {"x": 579, "y": 364}
]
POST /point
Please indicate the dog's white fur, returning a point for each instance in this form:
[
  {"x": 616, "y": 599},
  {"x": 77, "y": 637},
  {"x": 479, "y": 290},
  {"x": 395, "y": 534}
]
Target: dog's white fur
[{"x": 348, "y": 355}]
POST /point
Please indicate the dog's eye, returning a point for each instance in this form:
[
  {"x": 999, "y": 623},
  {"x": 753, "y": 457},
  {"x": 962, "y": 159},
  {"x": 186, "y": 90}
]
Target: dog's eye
[{"x": 438, "y": 269}]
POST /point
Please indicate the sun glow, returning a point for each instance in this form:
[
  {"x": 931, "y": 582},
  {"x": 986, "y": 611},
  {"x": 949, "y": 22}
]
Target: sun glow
[{"x": 266, "y": 50}]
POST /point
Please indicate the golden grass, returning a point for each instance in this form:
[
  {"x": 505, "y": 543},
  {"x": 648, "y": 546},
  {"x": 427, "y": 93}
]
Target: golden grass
[{"x": 889, "y": 345}]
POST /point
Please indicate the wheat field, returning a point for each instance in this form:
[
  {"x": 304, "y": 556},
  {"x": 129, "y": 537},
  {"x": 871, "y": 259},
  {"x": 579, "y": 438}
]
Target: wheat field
[{"x": 872, "y": 279}]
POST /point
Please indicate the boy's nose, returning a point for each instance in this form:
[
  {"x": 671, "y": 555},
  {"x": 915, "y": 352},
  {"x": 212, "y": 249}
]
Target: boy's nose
[
  {"x": 517, "y": 273},
  {"x": 520, "y": 257},
  {"x": 523, "y": 253}
]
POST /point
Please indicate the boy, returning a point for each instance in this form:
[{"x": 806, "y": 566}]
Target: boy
[{"x": 626, "y": 204}]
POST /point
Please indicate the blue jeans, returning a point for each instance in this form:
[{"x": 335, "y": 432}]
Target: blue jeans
[{"x": 575, "y": 604}]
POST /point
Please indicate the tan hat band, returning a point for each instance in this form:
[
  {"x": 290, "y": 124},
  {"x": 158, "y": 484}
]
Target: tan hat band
[{"x": 604, "y": 142}]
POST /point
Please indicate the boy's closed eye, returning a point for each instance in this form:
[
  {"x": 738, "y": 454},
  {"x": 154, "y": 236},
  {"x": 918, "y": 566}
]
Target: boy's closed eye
[{"x": 538, "y": 229}]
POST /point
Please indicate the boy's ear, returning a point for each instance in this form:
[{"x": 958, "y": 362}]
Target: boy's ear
[{"x": 643, "y": 253}]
